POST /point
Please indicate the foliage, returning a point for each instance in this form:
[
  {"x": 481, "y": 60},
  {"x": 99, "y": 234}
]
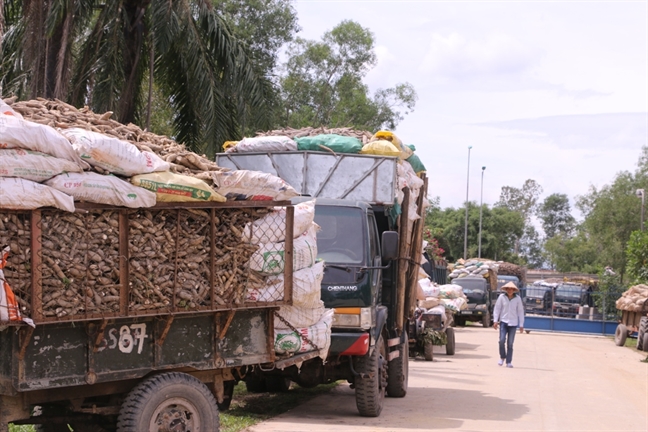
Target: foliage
[
  {"x": 433, "y": 249},
  {"x": 523, "y": 200},
  {"x": 432, "y": 336},
  {"x": 500, "y": 228},
  {"x": 530, "y": 248},
  {"x": 572, "y": 254},
  {"x": 97, "y": 53},
  {"x": 637, "y": 255},
  {"x": 609, "y": 291},
  {"x": 322, "y": 83},
  {"x": 556, "y": 217}
]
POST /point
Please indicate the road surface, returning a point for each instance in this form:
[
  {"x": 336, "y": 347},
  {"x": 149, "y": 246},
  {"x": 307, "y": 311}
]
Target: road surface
[{"x": 559, "y": 383}]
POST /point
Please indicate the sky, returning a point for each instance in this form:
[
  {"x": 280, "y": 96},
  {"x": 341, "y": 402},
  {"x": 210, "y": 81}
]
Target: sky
[{"x": 553, "y": 91}]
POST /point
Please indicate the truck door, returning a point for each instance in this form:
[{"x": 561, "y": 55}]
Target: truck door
[{"x": 374, "y": 258}]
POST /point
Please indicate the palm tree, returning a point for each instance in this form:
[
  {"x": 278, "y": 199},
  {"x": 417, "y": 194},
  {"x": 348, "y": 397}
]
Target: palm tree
[{"x": 101, "y": 53}]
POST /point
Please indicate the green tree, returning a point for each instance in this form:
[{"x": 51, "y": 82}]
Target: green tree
[
  {"x": 523, "y": 200},
  {"x": 572, "y": 254},
  {"x": 556, "y": 217},
  {"x": 637, "y": 255},
  {"x": 500, "y": 228},
  {"x": 531, "y": 247},
  {"x": 322, "y": 83},
  {"x": 98, "y": 53}
]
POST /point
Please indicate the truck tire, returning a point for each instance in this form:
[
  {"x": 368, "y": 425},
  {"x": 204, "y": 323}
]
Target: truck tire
[
  {"x": 277, "y": 384},
  {"x": 169, "y": 401},
  {"x": 620, "y": 335},
  {"x": 643, "y": 327},
  {"x": 450, "y": 344},
  {"x": 486, "y": 319},
  {"x": 428, "y": 351},
  {"x": 645, "y": 340},
  {"x": 398, "y": 372},
  {"x": 370, "y": 391}
]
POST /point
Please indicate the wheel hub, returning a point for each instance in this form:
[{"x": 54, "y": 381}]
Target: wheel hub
[{"x": 176, "y": 415}]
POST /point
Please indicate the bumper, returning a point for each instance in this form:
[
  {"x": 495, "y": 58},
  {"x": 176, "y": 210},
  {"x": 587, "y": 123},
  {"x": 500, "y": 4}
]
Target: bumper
[{"x": 349, "y": 344}]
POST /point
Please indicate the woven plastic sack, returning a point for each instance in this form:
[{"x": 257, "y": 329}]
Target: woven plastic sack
[
  {"x": 306, "y": 287},
  {"x": 291, "y": 342},
  {"x": 381, "y": 148},
  {"x": 325, "y": 142},
  {"x": 269, "y": 259},
  {"x": 430, "y": 302},
  {"x": 103, "y": 189},
  {"x": 21, "y": 194},
  {"x": 451, "y": 291},
  {"x": 112, "y": 154},
  {"x": 429, "y": 288},
  {"x": 34, "y": 166},
  {"x": 171, "y": 187},
  {"x": 264, "y": 144},
  {"x": 252, "y": 186},
  {"x": 404, "y": 151},
  {"x": 272, "y": 227},
  {"x": 298, "y": 316},
  {"x": 16, "y": 132},
  {"x": 416, "y": 164},
  {"x": 455, "y": 304}
]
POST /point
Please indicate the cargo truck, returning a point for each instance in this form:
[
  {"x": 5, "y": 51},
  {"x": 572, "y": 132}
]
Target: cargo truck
[
  {"x": 131, "y": 333},
  {"x": 372, "y": 253}
]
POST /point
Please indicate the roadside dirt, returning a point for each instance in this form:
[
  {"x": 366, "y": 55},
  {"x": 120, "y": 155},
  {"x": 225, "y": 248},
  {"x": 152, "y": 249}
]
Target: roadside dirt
[{"x": 559, "y": 383}]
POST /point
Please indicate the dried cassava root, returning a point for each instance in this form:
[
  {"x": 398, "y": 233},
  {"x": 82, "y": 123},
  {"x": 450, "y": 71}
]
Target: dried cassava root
[
  {"x": 58, "y": 114},
  {"x": 169, "y": 260},
  {"x": 15, "y": 232},
  {"x": 363, "y": 136}
]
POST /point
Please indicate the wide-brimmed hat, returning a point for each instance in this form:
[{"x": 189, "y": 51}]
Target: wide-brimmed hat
[{"x": 510, "y": 285}]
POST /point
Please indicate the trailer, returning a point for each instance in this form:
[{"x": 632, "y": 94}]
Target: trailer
[
  {"x": 131, "y": 359},
  {"x": 633, "y": 322}
]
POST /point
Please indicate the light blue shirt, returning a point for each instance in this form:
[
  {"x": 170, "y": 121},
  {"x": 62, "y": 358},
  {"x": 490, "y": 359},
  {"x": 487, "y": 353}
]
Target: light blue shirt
[{"x": 510, "y": 311}]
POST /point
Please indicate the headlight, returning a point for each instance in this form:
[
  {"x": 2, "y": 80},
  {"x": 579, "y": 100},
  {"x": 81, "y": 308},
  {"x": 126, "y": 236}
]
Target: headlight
[{"x": 353, "y": 317}]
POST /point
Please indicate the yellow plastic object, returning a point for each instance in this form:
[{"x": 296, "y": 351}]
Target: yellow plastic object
[
  {"x": 228, "y": 144},
  {"x": 380, "y": 147},
  {"x": 405, "y": 152},
  {"x": 171, "y": 187}
]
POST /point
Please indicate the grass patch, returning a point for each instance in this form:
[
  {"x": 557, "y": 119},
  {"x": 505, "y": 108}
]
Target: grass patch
[{"x": 248, "y": 409}]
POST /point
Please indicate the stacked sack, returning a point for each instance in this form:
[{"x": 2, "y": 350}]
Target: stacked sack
[
  {"x": 307, "y": 313},
  {"x": 441, "y": 299},
  {"x": 472, "y": 267},
  {"x": 633, "y": 299}
]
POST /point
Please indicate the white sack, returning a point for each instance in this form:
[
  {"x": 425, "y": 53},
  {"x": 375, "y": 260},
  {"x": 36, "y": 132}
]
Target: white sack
[
  {"x": 269, "y": 259},
  {"x": 112, "y": 154},
  {"x": 272, "y": 227},
  {"x": 21, "y": 194},
  {"x": 16, "y": 132},
  {"x": 103, "y": 189},
  {"x": 429, "y": 302},
  {"x": 252, "y": 186},
  {"x": 451, "y": 291},
  {"x": 264, "y": 144},
  {"x": 298, "y": 316},
  {"x": 429, "y": 288},
  {"x": 290, "y": 342},
  {"x": 455, "y": 304},
  {"x": 34, "y": 166},
  {"x": 306, "y": 287}
]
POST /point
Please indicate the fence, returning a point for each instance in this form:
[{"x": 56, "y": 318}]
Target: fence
[{"x": 571, "y": 308}]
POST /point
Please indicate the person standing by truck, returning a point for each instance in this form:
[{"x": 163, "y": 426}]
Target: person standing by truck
[{"x": 509, "y": 311}]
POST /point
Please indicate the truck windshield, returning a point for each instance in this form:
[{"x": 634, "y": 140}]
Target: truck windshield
[
  {"x": 470, "y": 286},
  {"x": 536, "y": 292},
  {"x": 568, "y": 291},
  {"x": 342, "y": 237}
]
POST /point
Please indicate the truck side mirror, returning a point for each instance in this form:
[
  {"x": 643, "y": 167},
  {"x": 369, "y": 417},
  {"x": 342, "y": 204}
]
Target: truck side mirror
[{"x": 389, "y": 246}]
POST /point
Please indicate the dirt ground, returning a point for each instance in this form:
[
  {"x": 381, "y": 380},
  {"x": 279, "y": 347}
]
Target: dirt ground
[{"x": 559, "y": 383}]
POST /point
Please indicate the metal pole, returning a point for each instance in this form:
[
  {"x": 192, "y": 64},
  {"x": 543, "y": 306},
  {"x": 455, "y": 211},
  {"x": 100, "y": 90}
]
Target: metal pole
[
  {"x": 481, "y": 205},
  {"x": 465, "y": 255},
  {"x": 643, "y": 200}
]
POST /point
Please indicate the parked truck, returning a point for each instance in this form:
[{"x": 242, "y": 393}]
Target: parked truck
[
  {"x": 372, "y": 253},
  {"x": 141, "y": 322}
]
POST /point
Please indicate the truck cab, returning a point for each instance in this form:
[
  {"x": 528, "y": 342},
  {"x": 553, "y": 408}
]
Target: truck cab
[
  {"x": 478, "y": 291},
  {"x": 537, "y": 299},
  {"x": 501, "y": 281},
  {"x": 569, "y": 297}
]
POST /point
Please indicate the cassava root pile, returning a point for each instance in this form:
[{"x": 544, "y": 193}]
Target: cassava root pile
[
  {"x": 363, "y": 136},
  {"x": 633, "y": 299},
  {"x": 169, "y": 260},
  {"x": 58, "y": 114}
]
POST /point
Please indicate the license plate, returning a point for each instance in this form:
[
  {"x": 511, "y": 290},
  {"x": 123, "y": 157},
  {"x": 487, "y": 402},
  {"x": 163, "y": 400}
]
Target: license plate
[
  {"x": 538, "y": 301},
  {"x": 466, "y": 312}
]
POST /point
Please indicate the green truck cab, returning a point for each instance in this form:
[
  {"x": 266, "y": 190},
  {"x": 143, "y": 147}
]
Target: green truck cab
[
  {"x": 480, "y": 304},
  {"x": 372, "y": 249}
]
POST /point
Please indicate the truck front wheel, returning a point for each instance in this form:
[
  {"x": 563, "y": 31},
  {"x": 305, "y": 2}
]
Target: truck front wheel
[
  {"x": 370, "y": 388},
  {"x": 398, "y": 372},
  {"x": 170, "y": 401}
]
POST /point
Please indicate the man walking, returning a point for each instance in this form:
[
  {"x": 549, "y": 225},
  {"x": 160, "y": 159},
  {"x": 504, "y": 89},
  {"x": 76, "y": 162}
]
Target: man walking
[{"x": 509, "y": 312}]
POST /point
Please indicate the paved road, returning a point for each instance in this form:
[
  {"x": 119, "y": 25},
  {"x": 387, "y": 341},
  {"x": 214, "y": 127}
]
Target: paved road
[{"x": 559, "y": 383}]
